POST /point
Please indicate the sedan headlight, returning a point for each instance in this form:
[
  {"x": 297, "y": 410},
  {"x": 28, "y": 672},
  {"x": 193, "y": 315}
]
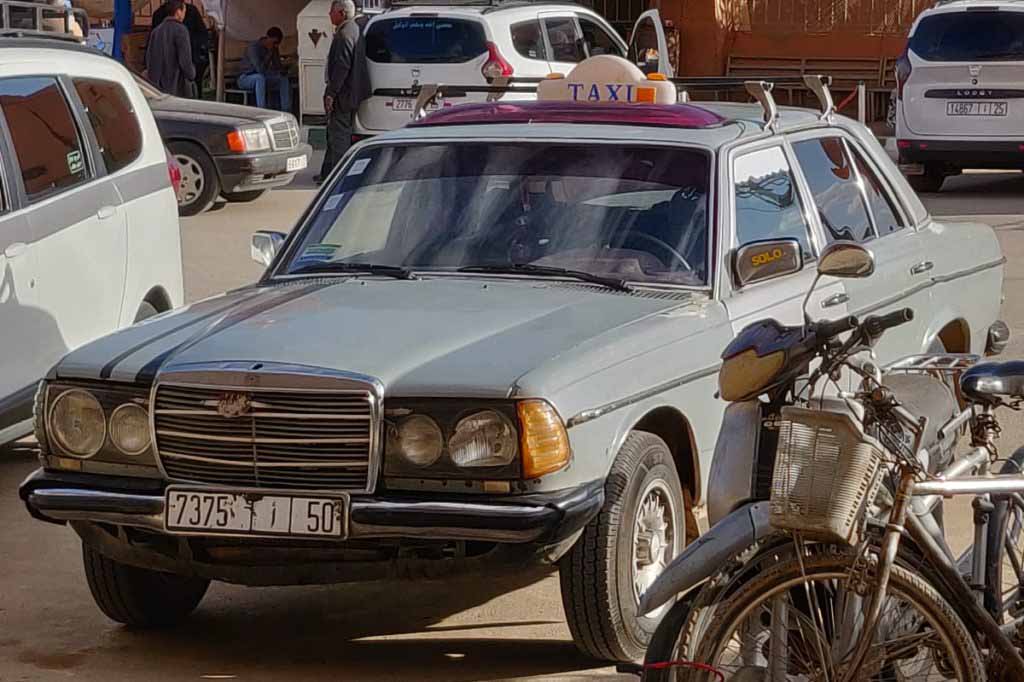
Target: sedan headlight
[
  {"x": 129, "y": 429},
  {"x": 78, "y": 423},
  {"x": 417, "y": 439},
  {"x": 255, "y": 139},
  {"x": 483, "y": 439}
]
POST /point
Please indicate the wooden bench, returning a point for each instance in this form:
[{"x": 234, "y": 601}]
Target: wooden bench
[
  {"x": 877, "y": 74},
  {"x": 232, "y": 67}
]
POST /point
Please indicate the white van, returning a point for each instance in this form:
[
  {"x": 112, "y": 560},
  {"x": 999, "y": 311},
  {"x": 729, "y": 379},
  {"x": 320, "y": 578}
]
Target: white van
[
  {"x": 960, "y": 91},
  {"x": 89, "y": 234}
]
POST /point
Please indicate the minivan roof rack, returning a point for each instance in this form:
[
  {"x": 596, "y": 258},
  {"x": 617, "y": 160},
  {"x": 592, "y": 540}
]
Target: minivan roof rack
[{"x": 21, "y": 19}]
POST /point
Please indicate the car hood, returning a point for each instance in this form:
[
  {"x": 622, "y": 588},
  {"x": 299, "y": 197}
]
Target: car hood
[
  {"x": 443, "y": 336},
  {"x": 180, "y": 109}
]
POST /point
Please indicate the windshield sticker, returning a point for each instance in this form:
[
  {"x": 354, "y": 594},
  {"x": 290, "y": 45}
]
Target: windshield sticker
[
  {"x": 358, "y": 167},
  {"x": 75, "y": 162},
  {"x": 317, "y": 253},
  {"x": 332, "y": 202}
]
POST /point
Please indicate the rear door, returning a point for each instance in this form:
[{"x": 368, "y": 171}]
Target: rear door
[
  {"x": 648, "y": 47},
  {"x": 420, "y": 48},
  {"x": 966, "y": 74}
]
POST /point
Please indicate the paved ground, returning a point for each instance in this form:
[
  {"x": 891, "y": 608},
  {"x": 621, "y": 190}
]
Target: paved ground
[{"x": 465, "y": 630}]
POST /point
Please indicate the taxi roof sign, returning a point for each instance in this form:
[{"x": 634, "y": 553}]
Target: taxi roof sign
[{"x": 607, "y": 79}]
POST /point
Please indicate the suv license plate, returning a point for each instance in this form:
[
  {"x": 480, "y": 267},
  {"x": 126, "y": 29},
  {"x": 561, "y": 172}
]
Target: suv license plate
[
  {"x": 207, "y": 512},
  {"x": 976, "y": 108},
  {"x": 407, "y": 104}
]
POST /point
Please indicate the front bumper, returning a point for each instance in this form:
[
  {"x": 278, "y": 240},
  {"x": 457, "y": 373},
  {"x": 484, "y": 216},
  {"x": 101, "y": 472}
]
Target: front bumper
[
  {"x": 542, "y": 518},
  {"x": 258, "y": 170},
  {"x": 959, "y": 154}
]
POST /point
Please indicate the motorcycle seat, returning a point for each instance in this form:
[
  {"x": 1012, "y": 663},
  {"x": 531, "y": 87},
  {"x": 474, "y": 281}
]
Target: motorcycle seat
[{"x": 989, "y": 383}]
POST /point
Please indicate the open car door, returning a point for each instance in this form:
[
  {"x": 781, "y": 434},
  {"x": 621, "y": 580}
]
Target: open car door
[{"x": 648, "y": 48}]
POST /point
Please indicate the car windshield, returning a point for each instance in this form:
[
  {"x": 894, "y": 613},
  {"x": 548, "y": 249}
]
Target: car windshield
[
  {"x": 628, "y": 212},
  {"x": 972, "y": 36}
]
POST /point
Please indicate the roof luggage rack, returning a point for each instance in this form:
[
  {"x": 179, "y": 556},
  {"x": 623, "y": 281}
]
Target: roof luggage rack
[
  {"x": 21, "y": 19},
  {"x": 427, "y": 94}
]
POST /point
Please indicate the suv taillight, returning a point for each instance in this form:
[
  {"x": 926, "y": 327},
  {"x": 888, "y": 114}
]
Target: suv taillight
[
  {"x": 495, "y": 66},
  {"x": 903, "y": 69}
]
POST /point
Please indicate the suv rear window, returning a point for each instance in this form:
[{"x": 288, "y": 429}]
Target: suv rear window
[
  {"x": 975, "y": 36},
  {"x": 425, "y": 40}
]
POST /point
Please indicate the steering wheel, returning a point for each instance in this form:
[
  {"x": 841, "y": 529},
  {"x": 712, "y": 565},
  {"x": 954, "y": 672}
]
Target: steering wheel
[{"x": 663, "y": 245}]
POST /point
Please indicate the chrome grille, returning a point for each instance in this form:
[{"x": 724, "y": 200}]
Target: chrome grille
[
  {"x": 285, "y": 439},
  {"x": 285, "y": 134}
]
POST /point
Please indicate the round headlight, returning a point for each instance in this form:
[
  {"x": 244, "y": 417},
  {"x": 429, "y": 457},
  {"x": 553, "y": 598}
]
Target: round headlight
[
  {"x": 484, "y": 439},
  {"x": 419, "y": 440},
  {"x": 78, "y": 423},
  {"x": 129, "y": 429}
]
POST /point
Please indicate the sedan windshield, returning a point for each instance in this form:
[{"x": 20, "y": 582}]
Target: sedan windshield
[{"x": 619, "y": 212}]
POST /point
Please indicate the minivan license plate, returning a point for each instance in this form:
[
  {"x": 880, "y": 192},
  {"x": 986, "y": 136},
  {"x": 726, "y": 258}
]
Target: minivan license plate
[
  {"x": 407, "y": 104},
  {"x": 976, "y": 108},
  {"x": 205, "y": 512}
]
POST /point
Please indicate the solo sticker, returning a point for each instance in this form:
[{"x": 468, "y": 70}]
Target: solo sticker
[{"x": 75, "y": 162}]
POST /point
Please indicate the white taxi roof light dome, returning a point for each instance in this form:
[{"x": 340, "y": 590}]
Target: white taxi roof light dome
[{"x": 606, "y": 79}]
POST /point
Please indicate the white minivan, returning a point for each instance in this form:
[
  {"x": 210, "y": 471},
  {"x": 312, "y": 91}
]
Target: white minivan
[
  {"x": 89, "y": 234},
  {"x": 475, "y": 43},
  {"x": 960, "y": 91}
]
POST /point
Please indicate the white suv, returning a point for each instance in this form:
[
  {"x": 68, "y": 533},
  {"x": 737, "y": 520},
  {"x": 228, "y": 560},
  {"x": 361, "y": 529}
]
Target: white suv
[
  {"x": 89, "y": 236},
  {"x": 473, "y": 45},
  {"x": 960, "y": 92}
]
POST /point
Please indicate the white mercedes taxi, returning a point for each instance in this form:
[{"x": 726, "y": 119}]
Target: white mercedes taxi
[{"x": 491, "y": 341}]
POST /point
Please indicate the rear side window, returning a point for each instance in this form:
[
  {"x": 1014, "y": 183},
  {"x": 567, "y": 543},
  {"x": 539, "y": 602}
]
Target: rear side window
[
  {"x": 835, "y": 185},
  {"x": 767, "y": 206},
  {"x": 528, "y": 39},
  {"x": 425, "y": 40},
  {"x": 113, "y": 120},
  {"x": 565, "y": 43},
  {"x": 597, "y": 39},
  {"x": 976, "y": 36},
  {"x": 883, "y": 209},
  {"x": 51, "y": 155}
]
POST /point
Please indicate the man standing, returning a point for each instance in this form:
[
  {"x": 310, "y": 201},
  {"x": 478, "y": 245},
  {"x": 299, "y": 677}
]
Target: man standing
[
  {"x": 198, "y": 33},
  {"x": 169, "y": 53},
  {"x": 347, "y": 83},
  {"x": 261, "y": 67}
]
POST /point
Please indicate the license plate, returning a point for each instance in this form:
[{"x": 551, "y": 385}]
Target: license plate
[
  {"x": 976, "y": 108},
  {"x": 405, "y": 104},
  {"x": 205, "y": 512},
  {"x": 296, "y": 163}
]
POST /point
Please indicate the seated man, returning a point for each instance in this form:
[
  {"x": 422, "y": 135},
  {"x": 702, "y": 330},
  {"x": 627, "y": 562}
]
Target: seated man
[{"x": 261, "y": 67}]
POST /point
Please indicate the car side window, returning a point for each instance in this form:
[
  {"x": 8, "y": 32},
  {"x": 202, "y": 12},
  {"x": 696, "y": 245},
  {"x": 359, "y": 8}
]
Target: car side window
[
  {"x": 835, "y": 185},
  {"x": 528, "y": 39},
  {"x": 766, "y": 202},
  {"x": 883, "y": 208},
  {"x": 51, "y": 154},
  {"x": 597, "y": 40},
  {"x": 113, "y": 120},
  {"x": 565, "y": 44}
]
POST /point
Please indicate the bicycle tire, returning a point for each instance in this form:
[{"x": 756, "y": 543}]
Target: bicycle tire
[{"x": 999, "y": 593}]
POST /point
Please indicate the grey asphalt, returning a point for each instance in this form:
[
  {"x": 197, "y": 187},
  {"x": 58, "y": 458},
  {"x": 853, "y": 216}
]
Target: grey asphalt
[{"x": 469, "y": 629}]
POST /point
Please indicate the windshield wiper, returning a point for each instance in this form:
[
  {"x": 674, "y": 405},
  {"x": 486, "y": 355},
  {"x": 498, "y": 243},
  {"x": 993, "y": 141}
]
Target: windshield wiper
[
  {"x": 395, "y": 271},
  {"x": 545, "y": 271}
]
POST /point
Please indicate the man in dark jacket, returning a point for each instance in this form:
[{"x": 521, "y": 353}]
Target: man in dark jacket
[
  {"x": 198, "y": 33},
  {"x": 347, "y": 83},
  {"x": 169, "y": 54}
]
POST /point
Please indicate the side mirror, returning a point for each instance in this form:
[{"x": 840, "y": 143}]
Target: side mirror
[
  {"x": 265, "y": 245},
  {"x": 848, "y": 260},
  {"x": 764, "y": 260}
]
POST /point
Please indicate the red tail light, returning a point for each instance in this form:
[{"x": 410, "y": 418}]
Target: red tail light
[
  {"x": 173, "y": 173},
  {"x": 495, "y": 66},
  {"x": 903, "y": 69}
]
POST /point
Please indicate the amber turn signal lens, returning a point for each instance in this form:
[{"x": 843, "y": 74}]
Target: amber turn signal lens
[
  {"x": 543, "y": 439},
  {"x": 236, "y": 142}
]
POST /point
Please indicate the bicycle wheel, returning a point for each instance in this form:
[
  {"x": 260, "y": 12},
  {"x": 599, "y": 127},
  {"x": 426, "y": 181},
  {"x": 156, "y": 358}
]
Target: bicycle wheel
[
  {"x": 787, "y": 624},
  {"x": 1004, "y": 565}
]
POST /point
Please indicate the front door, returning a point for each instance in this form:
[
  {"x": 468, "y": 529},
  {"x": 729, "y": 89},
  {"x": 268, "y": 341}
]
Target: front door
[{"x": 648, "y": 46}]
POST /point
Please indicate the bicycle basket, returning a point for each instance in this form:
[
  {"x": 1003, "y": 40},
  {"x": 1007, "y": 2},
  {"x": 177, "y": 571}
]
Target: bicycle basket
[{"x": 826, "y": 472}]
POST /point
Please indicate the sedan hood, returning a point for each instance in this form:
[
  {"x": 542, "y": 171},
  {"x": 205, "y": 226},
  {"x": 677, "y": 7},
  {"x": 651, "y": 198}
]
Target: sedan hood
[
  {"x": 179, "y": 108},
  {"x": 444, "y": 336}
]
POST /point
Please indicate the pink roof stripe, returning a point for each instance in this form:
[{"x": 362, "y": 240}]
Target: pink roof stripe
[{"x": 659, "y": 115}]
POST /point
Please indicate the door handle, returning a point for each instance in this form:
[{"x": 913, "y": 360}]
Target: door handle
[
  {"x": 16, "y": 249},
  {"x": 106, "y": 212},
  {"x": 922, "y": 267},
  {"x": 834, "y": 300}
]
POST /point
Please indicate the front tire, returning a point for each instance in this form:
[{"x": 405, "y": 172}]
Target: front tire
[
  {"x": 930, "y": 182},
  {"x": 200, "y": 184},
  {"x": 139, "y": 597},
  {"x": 637, "y": 533}
]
